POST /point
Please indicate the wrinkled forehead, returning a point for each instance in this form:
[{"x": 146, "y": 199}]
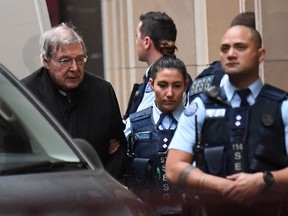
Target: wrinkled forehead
[
  {"x": 68, "y": 46},
  {"x": 64, "y": 37}
]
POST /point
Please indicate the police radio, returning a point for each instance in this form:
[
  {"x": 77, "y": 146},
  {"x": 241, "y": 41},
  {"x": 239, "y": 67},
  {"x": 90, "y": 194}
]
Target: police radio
[
  {"x": 128, "y": 173},
  {"x": 198, "y": 149}
]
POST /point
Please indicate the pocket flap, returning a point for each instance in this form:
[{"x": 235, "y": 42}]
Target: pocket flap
[
  {"x": 142, "y": 169},
  {"x": 214, "y": 159}
]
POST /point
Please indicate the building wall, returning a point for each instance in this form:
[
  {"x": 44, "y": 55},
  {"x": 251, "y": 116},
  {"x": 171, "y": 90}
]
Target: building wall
[
  {"x": 86, "y": 16},
  {"x": 21, "y": 23},
  {"x": 218, "y": 21},
  {"x": 200, "y": 25},
  {"x": 275, "y": 35}
]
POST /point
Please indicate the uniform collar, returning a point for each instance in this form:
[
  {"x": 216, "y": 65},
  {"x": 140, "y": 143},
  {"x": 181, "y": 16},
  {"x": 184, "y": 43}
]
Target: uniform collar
[
  {"x": 176, "y": 113},
  {"x": 255, "y": 88},
  {"x": 148, "y": 72}
]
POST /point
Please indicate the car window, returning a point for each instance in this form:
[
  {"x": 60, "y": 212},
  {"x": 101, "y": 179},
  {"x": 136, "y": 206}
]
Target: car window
[{"x": 25, "y": 134}]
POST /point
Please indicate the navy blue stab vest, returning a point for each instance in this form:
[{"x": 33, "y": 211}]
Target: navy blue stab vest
[
  {"x": 262, "y": 138},
  {"x": 147, "y": 138},
  {"x": 152, "y": 143}
]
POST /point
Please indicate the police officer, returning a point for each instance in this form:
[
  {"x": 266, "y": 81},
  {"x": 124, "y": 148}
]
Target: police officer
[
  {"x": 239, "y": 144},
  {"x": 155, "y": 36},
  {"x": 150, "y": 132}
]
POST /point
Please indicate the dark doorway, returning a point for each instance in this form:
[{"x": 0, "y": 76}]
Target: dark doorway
[{"x": 86, "y": 16}]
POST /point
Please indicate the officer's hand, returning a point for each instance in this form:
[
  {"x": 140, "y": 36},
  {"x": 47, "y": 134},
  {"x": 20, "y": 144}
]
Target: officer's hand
[
  {"x": 245, "y": 188},
  {"x": 113, "y": 146}
]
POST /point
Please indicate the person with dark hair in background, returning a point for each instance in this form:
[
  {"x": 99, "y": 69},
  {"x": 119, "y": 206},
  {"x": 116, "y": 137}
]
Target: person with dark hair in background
[
  {"x": 83, "y": 103},
  {"x": 238, "y": 137},
  {"x": 149, "y": 132},
  {"x": 155, "y": 36},
  {"x": 246, "y": 18},
  {"x": 213, "y": 75}
]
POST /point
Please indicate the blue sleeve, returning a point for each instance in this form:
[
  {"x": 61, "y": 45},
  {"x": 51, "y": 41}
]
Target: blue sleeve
[
  {"x": 284, "y": 110},
  {"x": 185, "y": 134}
]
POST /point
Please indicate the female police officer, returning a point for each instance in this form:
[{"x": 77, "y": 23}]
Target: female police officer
[{"x": 150, "y": 132}]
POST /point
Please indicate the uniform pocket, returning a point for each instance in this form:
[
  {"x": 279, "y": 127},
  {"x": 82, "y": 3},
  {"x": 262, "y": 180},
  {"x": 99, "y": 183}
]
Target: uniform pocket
[{"x": 214, "y": 157}]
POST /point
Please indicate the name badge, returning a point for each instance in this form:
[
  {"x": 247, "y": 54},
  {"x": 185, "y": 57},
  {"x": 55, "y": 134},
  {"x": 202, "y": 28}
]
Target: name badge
[
  {"x": 215, "y": 113},
  {"x": 145, "y": 135}
]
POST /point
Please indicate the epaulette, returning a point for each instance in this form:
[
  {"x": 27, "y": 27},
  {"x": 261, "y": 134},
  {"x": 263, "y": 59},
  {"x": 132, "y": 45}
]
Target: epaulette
[
  {"x": 212, "y": 69},
  {"x": 273, "y": 93},
  {"x": 214, "y": 95},
  {"x": 141, "y": 114}
]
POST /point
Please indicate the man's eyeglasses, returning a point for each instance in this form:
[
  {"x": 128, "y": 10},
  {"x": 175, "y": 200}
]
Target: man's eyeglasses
[{"x": 65, "y": 62}]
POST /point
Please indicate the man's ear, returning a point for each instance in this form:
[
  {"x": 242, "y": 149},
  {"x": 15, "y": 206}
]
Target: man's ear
[
  {"x": 45, "y": 63},
  {"x": 261, "y": 55},
  {"x": 147, "y": 42}
]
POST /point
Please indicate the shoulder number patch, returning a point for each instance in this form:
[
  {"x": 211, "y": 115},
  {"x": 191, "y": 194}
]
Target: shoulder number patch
[{"x": 201, "y": 84}]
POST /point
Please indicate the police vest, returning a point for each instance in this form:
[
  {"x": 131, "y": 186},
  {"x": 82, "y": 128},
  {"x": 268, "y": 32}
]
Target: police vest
[
  {"x": 151, "y": 143},
  {"x": 249, "y": 140},
  {"x": 210, "y": 76}
]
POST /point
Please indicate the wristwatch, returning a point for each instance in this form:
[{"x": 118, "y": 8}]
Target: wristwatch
[{"x": 268, "y": 178}]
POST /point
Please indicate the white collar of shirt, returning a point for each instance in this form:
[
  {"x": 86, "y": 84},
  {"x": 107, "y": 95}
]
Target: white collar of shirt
[
  {"x": 229, "y": 89},
  {"x": 148, "y": 88},
  {"x": 176, "y": 113},
  {"x": 147, "y": 70}
]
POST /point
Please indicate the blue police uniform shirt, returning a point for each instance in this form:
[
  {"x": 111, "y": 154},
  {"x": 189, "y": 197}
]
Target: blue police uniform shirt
[
  {"x": 148, "y": 97},
  {"x": 166, "y": 122},
  {"x": 184, "y": 136}
]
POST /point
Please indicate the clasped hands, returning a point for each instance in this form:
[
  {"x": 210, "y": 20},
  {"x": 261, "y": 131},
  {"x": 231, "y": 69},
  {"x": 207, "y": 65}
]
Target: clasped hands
[{"x": 244, "y": 188}]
